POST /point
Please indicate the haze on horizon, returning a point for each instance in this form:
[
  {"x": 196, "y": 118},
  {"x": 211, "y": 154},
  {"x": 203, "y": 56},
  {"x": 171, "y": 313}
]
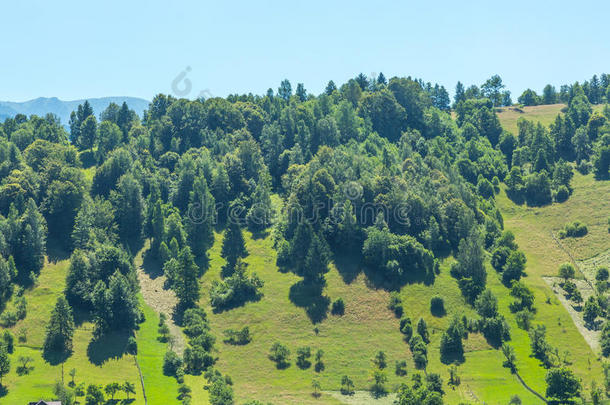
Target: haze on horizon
[{"x": 137, "y": 49}]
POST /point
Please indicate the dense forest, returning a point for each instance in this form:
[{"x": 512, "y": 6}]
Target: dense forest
[{"x": 392, "y": 172}]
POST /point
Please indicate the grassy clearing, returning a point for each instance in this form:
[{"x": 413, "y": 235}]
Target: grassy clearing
[
  {"x": 99, "y": 364},
  {"x": 589, "y": 266},
  {"x": 545, "y": 114},
  {"x": 588, "y": 203},
  {"x": 349, "y": 341}
]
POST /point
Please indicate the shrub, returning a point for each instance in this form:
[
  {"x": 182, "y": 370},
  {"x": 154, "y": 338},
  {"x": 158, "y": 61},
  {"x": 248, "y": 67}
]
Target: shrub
[
  {"x": 280, "y": 355},
  {"x": 164, "y": 333},
  {"x": 347, "y": 386},
  {"x": 499, "y": 256},
  {"x": 538, "y": 189},
  {"x": 303, "y": 356},
  {"x": 235, "y": 290},
  {"x": 422, "y": 329},
  {"x": 514, "y": 267},
  {"x": 395, "y": 304},
  {"x": 605, "y": 339},
  {"x": 194, "y": 322},
  {"x": 238, "y": 337},
  {"x": 171, "y": 363},
  {"x": 591, "y": 310},
  {"x": 197, "y": 359},
  {"x": 9, "y": 341},
  {"x": 437, "y": 306},
  {"x": 524, "y": 319},
  {"x": 602, "y": 274},
  {"x": 380, "y": 360},
  {"x": 421, "y": 360},
  {"x": 406, "y": 328},
  {"x": 495, "y": 330},
  {"x": 338, "y": 307},
  {"x": 451, "y": 342},
  {"x": 574, "y": 229},
  {"x": 132, "y": 345},
  {"x": 401, "y": 368},
  {"x": 319, "y": 366},
  {"x": 566, "y": 271},
  {"x": 485, "y": 188},
  {"x": 584, "y": 167},
  {"x": 562, "y": 194},
  {"x": 378, "y": 388},
  {"x": 562, "y": 384}
]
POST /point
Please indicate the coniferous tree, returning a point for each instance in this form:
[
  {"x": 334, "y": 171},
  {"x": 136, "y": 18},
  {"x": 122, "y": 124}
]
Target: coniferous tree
[
  {"x": 32, "y": 243},
  {"x": 60, "y": 329},
  {"x": 316, "y": 261},
  {"x": 330, "y": 87},
  {"x": 459, "y": 93},
  {"x": 200, "y": 218},
  {"x": 116, "y": 306},
  {"x": 88, "y": 132},
  {"x": 5, "y": 363},
  {"x": 187, "y": 282},
  {"x": 158, "y": 227},
  {"x": 233, "y": 245},
  {"x": 5, "y": 280},
  {"x": 129, "y": 208}
]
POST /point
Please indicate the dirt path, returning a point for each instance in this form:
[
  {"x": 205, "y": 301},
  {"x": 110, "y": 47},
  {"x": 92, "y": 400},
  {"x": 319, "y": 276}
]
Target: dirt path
[
  {"x": 591, "y": 336},
  {"x": 161, "y": 300}
]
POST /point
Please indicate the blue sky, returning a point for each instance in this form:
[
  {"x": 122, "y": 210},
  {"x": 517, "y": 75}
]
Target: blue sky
[{"x": 73, "y": 50}]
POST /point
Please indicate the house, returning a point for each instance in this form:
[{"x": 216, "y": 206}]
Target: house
[{"x": 41, "y": 402}]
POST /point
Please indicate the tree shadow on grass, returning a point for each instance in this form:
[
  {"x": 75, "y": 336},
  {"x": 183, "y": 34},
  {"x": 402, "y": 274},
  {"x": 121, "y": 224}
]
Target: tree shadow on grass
[
  {"x": 260, "y": 234},
  {"x": 151, "y": 265},
  {"x": 516, "y": 198},
  {"x": 309, "y": 296},
  {"x": 56, "y": 251},
  {"x": 80, "y": 316},
  {"x": 56, "y": 357},
  {"x": 348, "y": 265},
  {"x": 453, "y": 358},
  {"x": 203, "y": 262},
  {"x": 3, "y": 391},
  {"x": 111, "y": 345}
]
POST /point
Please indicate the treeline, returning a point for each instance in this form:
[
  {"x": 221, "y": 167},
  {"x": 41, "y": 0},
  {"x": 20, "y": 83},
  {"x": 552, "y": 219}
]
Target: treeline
[
  {"x": 374, "y": 168},
  {"x": 597, "y": 91}
]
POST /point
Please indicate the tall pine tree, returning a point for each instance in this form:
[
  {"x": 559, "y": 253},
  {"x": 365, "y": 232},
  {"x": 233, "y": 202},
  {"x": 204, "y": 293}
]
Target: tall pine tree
[
  {"x": 233, "y": 245},
  {"x": 60, "y": 329},
  {"x": 200, "y": 218}
]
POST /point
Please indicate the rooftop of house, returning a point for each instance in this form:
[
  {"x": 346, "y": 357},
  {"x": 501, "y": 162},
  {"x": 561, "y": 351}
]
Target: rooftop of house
[{"x": 41, "y": 402}]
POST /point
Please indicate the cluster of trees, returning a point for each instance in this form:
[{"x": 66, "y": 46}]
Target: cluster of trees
[
  {"x": 574, "y": 229},
  {"x": 237, "y": 286},
  {"x": 280, "y": 355},
  {"x": 539, "y": 157},
  {"x": 597, "y": 90},
  {"x": 375, "y": 167},
  {"x": 492, "y": 325},
  {"x": 197, "y": 356},
  {"x": 424, "y": 391},
  {"x": 507, "y": 259}
]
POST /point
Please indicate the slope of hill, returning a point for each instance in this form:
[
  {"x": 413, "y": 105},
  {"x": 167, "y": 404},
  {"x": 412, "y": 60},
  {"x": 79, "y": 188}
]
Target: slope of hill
[
  {"x": 545, "y": 114},
  {"x": 43, "y": 105}
]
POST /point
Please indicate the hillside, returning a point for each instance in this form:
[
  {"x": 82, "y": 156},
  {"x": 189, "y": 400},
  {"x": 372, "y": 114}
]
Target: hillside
[
  {"x": 44, "y": 105},
  {"x": 363, "y": 246},
  {"x": 545, "y": 114}
]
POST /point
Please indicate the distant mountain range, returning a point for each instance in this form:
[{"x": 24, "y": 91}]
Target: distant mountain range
[{"x": 43, "y": 105}]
